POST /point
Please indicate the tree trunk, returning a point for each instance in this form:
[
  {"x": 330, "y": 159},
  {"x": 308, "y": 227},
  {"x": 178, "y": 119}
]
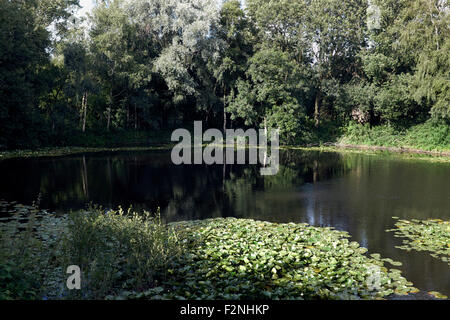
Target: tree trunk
[
  {"x": 135, "y": 118},
  {"x": 316, "y": 171},
  {"x": 224, "y": 114},
  {"x": 85, "y": 103},
  {"x": 109, "y": 110},
  {"x": 317, "y": 109},
  {"x": 84, "y": 177},
  {"x": 108, "y": 125},
  {"x": 265, "y": 126},
  {"x": 128, "y": 117}
]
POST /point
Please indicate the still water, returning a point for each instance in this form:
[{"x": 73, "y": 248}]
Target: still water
[{"x": 351, "y": 192}]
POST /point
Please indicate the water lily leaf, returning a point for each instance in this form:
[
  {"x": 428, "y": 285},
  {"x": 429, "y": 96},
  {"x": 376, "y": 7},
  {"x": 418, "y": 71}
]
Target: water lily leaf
[{"x": 437, "y": 295}]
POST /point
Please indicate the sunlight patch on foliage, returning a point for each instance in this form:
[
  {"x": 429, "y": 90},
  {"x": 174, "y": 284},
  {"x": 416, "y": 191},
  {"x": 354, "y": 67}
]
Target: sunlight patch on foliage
[{"x": 246, "y": 259}]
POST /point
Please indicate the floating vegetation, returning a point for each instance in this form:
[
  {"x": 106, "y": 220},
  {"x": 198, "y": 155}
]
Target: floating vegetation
[
  {"x": 29, "y": 241},
  {"x": 437, "y": 295},
  {"x": 115, "y": 250},
  {"x": 211, "y": 259},
  {"x": 246, "y": 259},
  {"x": 57, "y": 152},
  {"x": 431, "y": 235}
]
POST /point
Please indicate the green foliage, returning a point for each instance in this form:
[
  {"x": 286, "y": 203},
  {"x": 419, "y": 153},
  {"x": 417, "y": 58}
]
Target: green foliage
[
  {"x": 23, "y": 46},
  {"x": 411, "y": 74},
  {"x": 27, "y": 252},
  {"x": 426, "y": 136},
  {"x": 431, "y": 82},
  {"x": 14, "y": 284},
  {"x": 272, "y": 96},
  {"x": 118, "y": 138},
  {"x": 431, "y": 235},
  {"x": 246, "y": 259},
  {"x": 149, "y": 65},
  {"x": 55, "y": 12},
  {"x": 118, "y": 250},
  {"x": 115, "y": 250},
  {"x": 395, "y": 104},
  {"x": 131, "y": 256}
]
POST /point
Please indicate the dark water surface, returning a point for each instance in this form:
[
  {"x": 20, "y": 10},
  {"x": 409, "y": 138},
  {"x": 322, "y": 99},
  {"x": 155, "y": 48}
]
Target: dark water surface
[{"x": 351, "y": 192}]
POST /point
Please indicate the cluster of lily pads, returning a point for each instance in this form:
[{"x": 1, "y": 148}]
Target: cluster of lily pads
[
  {"x": 15, "y": 218},
  {"x": 240, "y": 259},
  {"x": 431, "y": 235},
  {"x": 246, "y": 259},
  {"x": 29, "y": 240}
]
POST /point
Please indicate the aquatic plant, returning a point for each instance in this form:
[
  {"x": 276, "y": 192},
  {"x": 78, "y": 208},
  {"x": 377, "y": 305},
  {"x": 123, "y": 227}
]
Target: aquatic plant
[
  {"x": 116, "y": 251},
  {"x": 432, "y": 236},
  {"x": 246, "y": 259},
  {"x": 28, "y": 247},
  {"x": 125, "y": 255}
]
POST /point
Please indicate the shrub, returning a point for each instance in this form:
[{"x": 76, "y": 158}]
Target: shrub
[
  {"x": 115, "y": 250},
  {"x": 118, "y": 251},
  {"x": 426, "y": 136}
]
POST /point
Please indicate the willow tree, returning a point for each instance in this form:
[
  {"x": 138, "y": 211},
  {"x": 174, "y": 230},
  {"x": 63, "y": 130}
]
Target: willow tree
[
  {"x": 408, "y": 61},
  {"x": 423, "y": 28},
  {"x": 182, "y": 34}
]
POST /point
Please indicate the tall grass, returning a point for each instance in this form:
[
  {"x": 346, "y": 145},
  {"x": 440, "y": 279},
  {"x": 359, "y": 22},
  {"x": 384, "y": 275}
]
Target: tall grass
[
  {"x": 427, "y": 136},
  {"x": 118, "y": 251},
  {"x": 115, "y": 250}
]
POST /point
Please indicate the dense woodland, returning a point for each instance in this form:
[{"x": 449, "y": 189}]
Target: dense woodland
[{"x": 312, "y": 68}]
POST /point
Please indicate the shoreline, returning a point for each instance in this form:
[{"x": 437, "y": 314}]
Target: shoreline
[
  {"x": 393, "y": 149},
  {"x": 402, "y": 153},
  {"x": 327, "y": 147},
  {"x": 66, "y": 151}
]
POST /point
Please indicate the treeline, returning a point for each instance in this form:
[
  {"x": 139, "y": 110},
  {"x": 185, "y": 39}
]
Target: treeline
[{"x": 308, "y": 67}]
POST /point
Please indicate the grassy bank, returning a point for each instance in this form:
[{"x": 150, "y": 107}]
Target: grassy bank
[
  {"x": 95, "y": 141},
  {"x": 427, "y": 137},
  {"x": 388, "y": 154},
  {"x": 123, "y": 255},
  {"x": 57, "y": 152},
  {"x": 361, "y": 149}
]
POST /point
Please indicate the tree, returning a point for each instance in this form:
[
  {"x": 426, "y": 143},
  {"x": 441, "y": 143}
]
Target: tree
[
  {"x": 272, "y": 96},
  {"x": 23, "y": 46},
  {"x": 410, "y": 74},
  {"x": 424, "y": 31},
  {"x": 111, "y": 47},
  {"x": 274, "y": 91},
  {"x": 54, "y": 13},
  {"x": 336, "y": 29},
  {"x": 181, "y": 33},
  {"x": 79, "y": 79},
  {"x": 306, "y": 67},
  {"x": 237, "y": 34}
]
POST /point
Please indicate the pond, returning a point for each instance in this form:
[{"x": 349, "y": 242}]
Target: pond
[{"x": 356, "y": 193}]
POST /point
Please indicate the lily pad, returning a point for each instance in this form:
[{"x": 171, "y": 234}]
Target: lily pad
[{"x": 432, "y": 236}]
